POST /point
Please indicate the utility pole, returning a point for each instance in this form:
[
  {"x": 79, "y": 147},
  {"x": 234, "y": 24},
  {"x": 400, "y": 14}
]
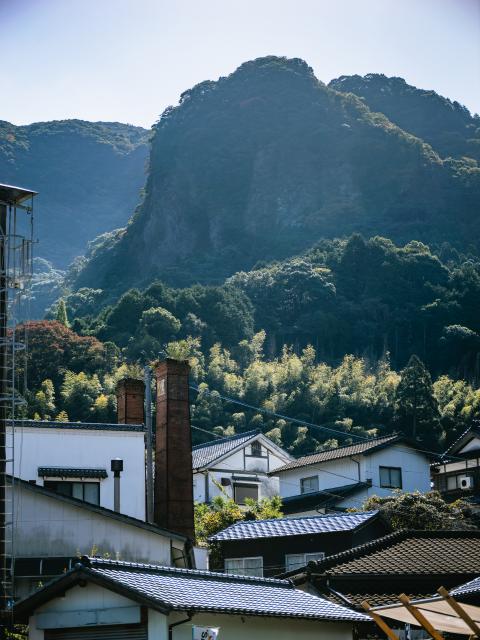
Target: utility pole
[{"x": 149, "y": 444}]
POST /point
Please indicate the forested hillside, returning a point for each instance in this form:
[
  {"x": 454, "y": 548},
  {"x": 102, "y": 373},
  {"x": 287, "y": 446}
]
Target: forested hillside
[
  {"x": 261, "y": 164},
  {"x": 88, "y": 175},
  {"x": 446, "y": 125}
]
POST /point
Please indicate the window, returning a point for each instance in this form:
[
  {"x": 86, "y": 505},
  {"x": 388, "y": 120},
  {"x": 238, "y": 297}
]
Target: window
[
  {"x": 391, "y": 477},
  {"x": 308, "y": 485},
  {"x": 256, "y": 449},
  {"x": 299, "y": 560},
  {"x": 242, "y": 491},
  {"x": 86, "y": 491},
  {"x": 244, "y": 566}
]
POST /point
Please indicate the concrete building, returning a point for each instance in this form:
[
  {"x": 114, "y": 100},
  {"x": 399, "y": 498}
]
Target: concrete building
[
  {"x": 240, "y": 467},
  {"x": 344, "y": 477},
  {"x": 142, "y": 602}
]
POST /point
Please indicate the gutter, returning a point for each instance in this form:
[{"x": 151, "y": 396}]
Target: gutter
[{"x": 190, "y": 615}]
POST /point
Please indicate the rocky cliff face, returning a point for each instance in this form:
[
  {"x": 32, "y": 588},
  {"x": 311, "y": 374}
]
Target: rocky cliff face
[
  {"x": 88, "y": 175},
  {"x": 261, "y": 164}
]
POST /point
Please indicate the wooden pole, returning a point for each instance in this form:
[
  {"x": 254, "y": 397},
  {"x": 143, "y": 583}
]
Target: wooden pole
[
  {"x": 380, "y": 621},
  {"x": 420, "y": 618},
  {"x": 459, "y": 610},
  {"x": 3, "y": 409}
]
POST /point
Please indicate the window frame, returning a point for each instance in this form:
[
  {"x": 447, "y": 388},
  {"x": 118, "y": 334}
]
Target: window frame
[
  {"x": 302, "y": 480},
  {"x": 242, "y": 560},
  {"x": 47, "y": 484},
  {"x": 246, "y": 485},
  {"x": 304, "y": 561},
  {"x": 390, "y": 469},
  {"x": 256, "y": 449}
]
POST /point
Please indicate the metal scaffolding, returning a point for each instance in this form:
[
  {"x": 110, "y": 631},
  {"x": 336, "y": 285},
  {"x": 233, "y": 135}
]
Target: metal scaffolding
[{"x": 16, "y": 242}]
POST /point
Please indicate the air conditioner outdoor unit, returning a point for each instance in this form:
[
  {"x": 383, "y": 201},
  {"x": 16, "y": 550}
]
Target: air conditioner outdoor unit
[{"x": 465, "y": 482}]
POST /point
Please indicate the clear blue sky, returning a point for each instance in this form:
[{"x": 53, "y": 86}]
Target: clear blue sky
[{"x": 126, "y": 60}]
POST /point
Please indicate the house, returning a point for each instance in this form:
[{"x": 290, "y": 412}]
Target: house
[
  {"x": 81, "y": 488},
  {"x": 108, "y": 599},
  {"x": 240, "y": 467},
  {"x": 74, "y": 459},
  {"x": 458, "y": 474},
  {"x": 51, "y": 528},
  {"x": 344, "y": 477},
  {"x": 271, "y": 547},
  {"x": 412, "y": 562}
]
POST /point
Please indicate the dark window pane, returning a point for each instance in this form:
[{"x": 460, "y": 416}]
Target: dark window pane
[
  {"x": 92, "y": 492},
  {"x": 243, "y": 491}
]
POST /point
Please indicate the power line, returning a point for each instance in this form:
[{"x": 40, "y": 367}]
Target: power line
[{"x": 306, "y": 423}]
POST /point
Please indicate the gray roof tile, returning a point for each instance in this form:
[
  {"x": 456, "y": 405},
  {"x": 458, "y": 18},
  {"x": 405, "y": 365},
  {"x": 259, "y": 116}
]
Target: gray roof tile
[
  {"x": 90, "y": 426},
  {"x": 184, "y": 589},
  {"x": 280, "y": 527},
  {"x": 472, "y": 587},
  {"x": 340, "y": 452},
  {"x": 205, "y": 454}
]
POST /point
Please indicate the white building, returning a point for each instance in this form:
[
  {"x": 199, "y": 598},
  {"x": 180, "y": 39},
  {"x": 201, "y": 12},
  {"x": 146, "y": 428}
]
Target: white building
[
  {"x": 239, "y": 467},
  {"x": 74, "y": 459},
  {"x": 105, "y": 599},
  {"x": 344, "y": 477}
]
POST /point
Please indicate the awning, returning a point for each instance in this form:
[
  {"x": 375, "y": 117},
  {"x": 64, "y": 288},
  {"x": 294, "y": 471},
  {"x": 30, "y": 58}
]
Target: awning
[
  {"x": 433, "y": 614},
  {"x": 71, "y": 472}
]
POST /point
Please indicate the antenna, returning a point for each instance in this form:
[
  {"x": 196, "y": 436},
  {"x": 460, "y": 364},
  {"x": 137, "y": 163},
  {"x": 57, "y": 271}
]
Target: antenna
[{"x": 16, "y": 240}]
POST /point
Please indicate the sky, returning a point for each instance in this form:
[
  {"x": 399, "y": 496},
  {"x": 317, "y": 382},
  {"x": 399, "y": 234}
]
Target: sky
[{"x": 126, "y": 60}]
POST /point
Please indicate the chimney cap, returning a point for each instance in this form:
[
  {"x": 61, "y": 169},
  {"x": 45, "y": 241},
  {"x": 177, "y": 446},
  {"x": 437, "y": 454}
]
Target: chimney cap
[{"x": 116, "y": 465}]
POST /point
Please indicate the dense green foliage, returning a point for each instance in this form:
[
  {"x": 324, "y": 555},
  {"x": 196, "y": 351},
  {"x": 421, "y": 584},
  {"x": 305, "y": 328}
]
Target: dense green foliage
[
  {"x": 88, "y": 175},
  {"x": 265, "y": 162},
  {"x": 422, "y": 511},
  {"x": 446, "y": 125}
]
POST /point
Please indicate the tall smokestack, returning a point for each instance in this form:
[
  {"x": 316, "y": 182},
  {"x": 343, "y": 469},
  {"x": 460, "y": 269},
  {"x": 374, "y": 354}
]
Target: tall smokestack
[
  {"x": 130, "y": 400},
  {"x": 173, "y": 502}
]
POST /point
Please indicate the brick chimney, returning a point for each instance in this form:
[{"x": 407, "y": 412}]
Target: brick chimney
[
  {"x": 130, "y": 401},
  {"x": 173, "y": 501}
]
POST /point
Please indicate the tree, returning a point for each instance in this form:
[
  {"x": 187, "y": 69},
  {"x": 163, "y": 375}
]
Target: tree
[
  {"x": 44, "y": 402},
  {"x": 421, "y": 511},
  {"x": 61, "y": 315},
  {"x": 416, "y": 408}
]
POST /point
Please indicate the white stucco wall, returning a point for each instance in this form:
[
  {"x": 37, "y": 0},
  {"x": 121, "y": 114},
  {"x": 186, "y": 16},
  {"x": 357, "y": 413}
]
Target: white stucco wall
[
  {"x": 49, "y": 447},
  {"x": 46, "y": 526},
  {"x": 415, "y": 473},
  {"x": 239, "y": 464},
  {"x": 232, "y": 627}
]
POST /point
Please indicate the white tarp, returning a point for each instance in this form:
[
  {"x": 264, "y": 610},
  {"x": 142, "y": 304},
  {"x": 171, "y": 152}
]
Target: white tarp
[
  {"x": 205, "y": 633},
  {"x": 438, "y": 612}
]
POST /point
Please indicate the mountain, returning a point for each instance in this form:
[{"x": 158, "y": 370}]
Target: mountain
[
  {"x": 261, "y": 164},
  {"x": 88, "y": 175},
  {"x": 446, "y": 125}
]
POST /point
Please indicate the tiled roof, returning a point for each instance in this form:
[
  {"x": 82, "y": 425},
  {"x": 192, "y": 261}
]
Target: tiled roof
[
  {"x": 280, "y": 527},
  {"x": 463, "y": 439},
  {"x": 408, "y": 553},
  {"x": 90, "y": 426},
  {"x": 205, "y": 454},
  {"x": 366, "y": 446},
  {"x": 472, "y": 587},
  {"x": 347, "y": 599},
  {"x": 171, "y": 589},
  {"x": 70, "y": 472},
  {"x": 321, "y": 499}
]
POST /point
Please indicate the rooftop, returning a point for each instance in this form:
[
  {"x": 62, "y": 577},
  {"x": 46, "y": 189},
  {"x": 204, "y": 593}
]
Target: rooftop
[
  {"x": 93, "y": 508},
  {"x": 205, "y": 454},
  {"x": 330, "y": 523},
  {"x": 321, "y": 499},
  {"x": 469, "y": 588},
  {"x": 367, "y": 446},
  {"x": 169, "y": 589},
  {"x": 408, "y": 553},
  {"x": 14, "y": 195},
  {"x": 90, "y": 426}
]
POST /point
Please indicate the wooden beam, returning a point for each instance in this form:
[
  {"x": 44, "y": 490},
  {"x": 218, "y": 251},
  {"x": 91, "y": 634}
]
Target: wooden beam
[
  {"x": 419, "y": 617},
  {"x": 459, "y": 610},
  {"x": 380, "y": 621}
]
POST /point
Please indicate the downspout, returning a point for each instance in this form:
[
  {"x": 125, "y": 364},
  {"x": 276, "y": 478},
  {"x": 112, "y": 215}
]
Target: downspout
[{"x": 176, "y": 624}]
